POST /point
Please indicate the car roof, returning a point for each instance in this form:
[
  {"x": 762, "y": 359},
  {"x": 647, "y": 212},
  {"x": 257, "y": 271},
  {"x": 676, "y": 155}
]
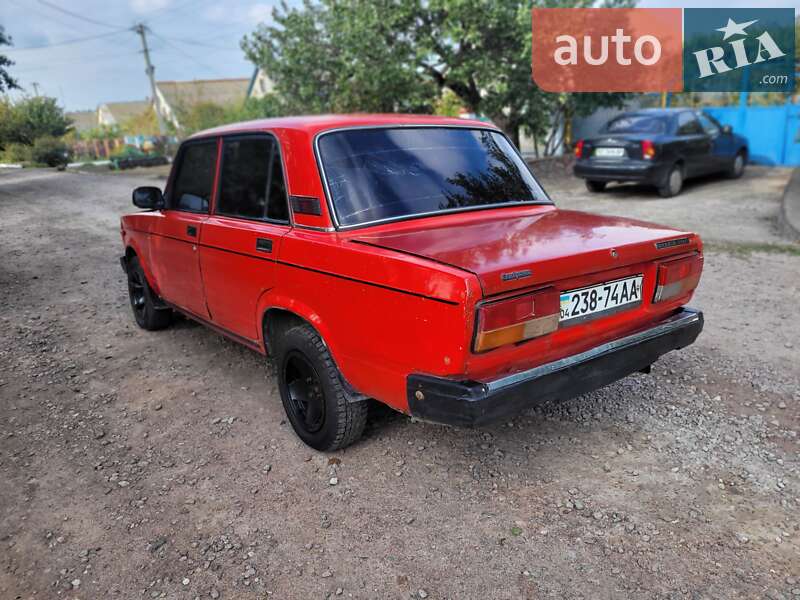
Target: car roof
[
  {"x": 313, "y": 124},
  {"x": 660, "y": 112}
]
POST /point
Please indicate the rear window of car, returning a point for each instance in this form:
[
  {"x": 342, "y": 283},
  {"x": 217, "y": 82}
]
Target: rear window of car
[
  {"x": 394, "y": 173},
  {"x": 637, "y": 124}
]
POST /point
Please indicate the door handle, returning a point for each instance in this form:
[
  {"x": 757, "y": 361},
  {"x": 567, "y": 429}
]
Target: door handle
[
  {"x": 191, "y": 230},
  {"x": 263, "y": 245}
]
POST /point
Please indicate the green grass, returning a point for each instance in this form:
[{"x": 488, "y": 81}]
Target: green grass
[{"x": 747, "y": 248}]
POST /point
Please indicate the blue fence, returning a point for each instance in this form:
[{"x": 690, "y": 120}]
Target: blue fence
[{"x": 772, "y": 132}]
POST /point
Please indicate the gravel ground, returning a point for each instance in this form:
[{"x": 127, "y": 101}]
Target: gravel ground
[{"x": 150, "y": 465}]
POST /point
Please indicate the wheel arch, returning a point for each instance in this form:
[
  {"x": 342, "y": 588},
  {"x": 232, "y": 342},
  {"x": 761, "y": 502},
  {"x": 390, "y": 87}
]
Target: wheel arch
[
  {"x": 132, "y": 249},
  {"x": 279, "y": 314}
]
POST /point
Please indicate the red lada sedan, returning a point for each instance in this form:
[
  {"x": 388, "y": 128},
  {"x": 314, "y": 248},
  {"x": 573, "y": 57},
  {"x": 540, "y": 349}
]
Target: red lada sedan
[{"x": 415, "y": 260}]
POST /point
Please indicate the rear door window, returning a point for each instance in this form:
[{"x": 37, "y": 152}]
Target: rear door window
[
  {"x": 251, "y": 180},
  {"x": 194, "y": 180}
]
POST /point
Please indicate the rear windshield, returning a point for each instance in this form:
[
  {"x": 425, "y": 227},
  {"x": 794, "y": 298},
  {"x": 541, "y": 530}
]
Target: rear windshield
[
  {"x": 637, "y": 124},
  {"x": 377, "y": 174}
]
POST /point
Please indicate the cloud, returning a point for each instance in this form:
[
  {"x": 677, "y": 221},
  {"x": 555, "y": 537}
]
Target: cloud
[
  {"x": 146, "y": 6},
  {"x": 260, "y": 13}
]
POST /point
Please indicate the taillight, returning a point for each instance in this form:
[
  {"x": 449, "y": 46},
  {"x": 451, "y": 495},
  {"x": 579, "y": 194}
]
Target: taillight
[
  {"x": 648, "y": 150},
  {"x": 579, "y": 149},
  {"x": 677, "y": 277},
  {"x": 517, "y": 319}
]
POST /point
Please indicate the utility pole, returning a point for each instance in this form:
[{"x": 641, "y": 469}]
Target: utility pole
[
  {"x": 150, "y": 70},
  {"x": 35, "y": 85}
]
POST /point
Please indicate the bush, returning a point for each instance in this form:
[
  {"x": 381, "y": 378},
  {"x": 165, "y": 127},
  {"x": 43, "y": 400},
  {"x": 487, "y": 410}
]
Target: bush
[
  {"x": 50, "y": 151},
  {"x": 17, "y": 153}
]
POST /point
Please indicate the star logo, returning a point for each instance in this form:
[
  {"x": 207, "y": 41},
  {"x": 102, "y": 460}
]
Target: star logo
[{"x": 734, "y": 28}]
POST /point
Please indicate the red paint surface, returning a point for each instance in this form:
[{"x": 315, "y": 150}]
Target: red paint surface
[{"x": 398, "y": 298}]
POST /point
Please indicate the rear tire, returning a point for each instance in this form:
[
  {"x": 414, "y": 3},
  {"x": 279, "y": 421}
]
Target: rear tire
[
  {"x": 737, "y": 166},
  {"x": 673, "y": 184},
  {"x": 595, "y": 186},
  {"x": 144, "y": 300},
  {"x": 312, "y": 392}
]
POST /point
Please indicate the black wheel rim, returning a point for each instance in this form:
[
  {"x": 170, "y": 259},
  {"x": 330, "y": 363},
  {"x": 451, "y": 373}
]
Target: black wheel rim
[
  {"x": 306, "y": 398},
  {"x": 136, "y": 291}
]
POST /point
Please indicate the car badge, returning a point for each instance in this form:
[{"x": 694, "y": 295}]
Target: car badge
[{"x": 514, "y": 275}]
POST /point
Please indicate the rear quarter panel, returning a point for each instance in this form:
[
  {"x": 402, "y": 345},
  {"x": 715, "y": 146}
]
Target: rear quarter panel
[{"x": 381, "y": 314}]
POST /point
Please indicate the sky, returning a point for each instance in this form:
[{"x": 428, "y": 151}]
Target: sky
[{"x": 190, "y": 39}]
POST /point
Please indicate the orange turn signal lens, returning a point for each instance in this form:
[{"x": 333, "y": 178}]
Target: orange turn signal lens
[
  {"x": 677, "y": 277},
  {"x": 517, "y": 319}
]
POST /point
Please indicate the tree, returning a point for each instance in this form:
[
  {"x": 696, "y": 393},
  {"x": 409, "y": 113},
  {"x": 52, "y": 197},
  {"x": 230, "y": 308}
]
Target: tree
[
  {"x": 346, "y": 56},
  {"x": 31, "y": 118},
  {"x": 6, "y": 81},
  {"x": 401, "y": 55}
]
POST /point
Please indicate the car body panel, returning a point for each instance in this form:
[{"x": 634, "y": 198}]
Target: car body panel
[
  {"x": 543, "y": 239},
  {"x": 396, "y": 298}
]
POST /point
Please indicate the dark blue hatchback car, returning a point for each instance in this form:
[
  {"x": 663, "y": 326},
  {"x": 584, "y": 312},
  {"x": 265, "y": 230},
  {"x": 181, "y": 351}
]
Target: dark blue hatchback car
[{"x": 659, "y": 147}]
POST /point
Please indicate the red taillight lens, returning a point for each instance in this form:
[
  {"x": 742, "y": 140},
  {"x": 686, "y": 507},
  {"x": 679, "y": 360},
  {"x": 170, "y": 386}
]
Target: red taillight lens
[
  {"x": 579, "y": 149},
  {"x": 517, "y": 319},
  {"x": 677, "y": 277},
  {"x": 648, "y": 150}
]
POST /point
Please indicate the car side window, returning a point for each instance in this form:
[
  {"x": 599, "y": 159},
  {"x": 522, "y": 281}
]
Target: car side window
[
  {"x": 194, "y": 181},
  {"x": 251, "y": 182},
  {"x": 688, "y": 124},
  {"x": 708, "y": 125}
]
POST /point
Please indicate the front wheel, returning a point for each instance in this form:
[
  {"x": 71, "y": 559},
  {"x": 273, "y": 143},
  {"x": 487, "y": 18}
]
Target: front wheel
[
  {"x": 673, "y": 184},
  {"x": 312, "y": 392},
  {"x": 737, "y": 166},
  {"x": 143, "y": 299}
]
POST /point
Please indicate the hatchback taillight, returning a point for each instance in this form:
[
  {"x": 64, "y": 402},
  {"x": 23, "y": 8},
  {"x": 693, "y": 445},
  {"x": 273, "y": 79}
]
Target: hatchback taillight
[
  {"x": 517, "y": 319},
  {"x": 677, "y": 277},
  {"x": 648, "y": 150},
  {"x": 579, "y": 149}
]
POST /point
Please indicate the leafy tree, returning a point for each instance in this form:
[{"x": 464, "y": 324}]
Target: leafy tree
[
  {"x": 401, "y": 55},
  {"x": 346, "y": 56},
  {"x": 31, "y": 118},
  {"x": 145, "y": 123},
  {"x": 6, "y": 81}
]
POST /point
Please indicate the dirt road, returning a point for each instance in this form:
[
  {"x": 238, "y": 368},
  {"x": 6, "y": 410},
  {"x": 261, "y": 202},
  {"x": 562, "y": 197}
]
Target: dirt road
[{"x": 159, "y": 465}]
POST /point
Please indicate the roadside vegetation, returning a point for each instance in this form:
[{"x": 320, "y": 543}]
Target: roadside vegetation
[{"x": 32, "y": 130}]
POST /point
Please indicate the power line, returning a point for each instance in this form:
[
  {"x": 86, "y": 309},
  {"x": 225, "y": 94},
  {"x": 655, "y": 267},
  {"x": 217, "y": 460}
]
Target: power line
[
  {"x": 77, "y": 16},
  {"x": 66, "y": 42},
  {"x": 186, "y": 54}
]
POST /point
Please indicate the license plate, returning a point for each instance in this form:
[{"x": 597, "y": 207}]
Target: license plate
[
  {"x": 604, "y": 298},
  {"x": 609, "y": 152}
]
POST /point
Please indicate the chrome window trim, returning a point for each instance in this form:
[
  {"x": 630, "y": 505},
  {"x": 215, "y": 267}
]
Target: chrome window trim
[{"x": 329, "y": 201}]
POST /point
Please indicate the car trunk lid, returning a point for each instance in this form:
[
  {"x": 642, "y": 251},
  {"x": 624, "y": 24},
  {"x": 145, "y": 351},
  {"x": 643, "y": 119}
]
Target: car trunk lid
[{"x": 518, "y": 249}]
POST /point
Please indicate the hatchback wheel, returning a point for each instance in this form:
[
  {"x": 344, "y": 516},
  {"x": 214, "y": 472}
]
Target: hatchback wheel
[
  {"x": 143, "y": 300},
  {"x": 312, "y": 392},
  {"x": 738, "y": 165},
  {"x": 673, "y": 184}
]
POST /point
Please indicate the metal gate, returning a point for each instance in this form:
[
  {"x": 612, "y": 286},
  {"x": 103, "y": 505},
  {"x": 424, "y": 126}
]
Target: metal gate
[{"x": 772, "y": 132}]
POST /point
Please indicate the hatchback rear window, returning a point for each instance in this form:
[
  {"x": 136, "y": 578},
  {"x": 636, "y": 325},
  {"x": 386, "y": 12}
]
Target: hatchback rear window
[
  {"x": 637, "y": 124},
  {"x": 394, "y": 173}
]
